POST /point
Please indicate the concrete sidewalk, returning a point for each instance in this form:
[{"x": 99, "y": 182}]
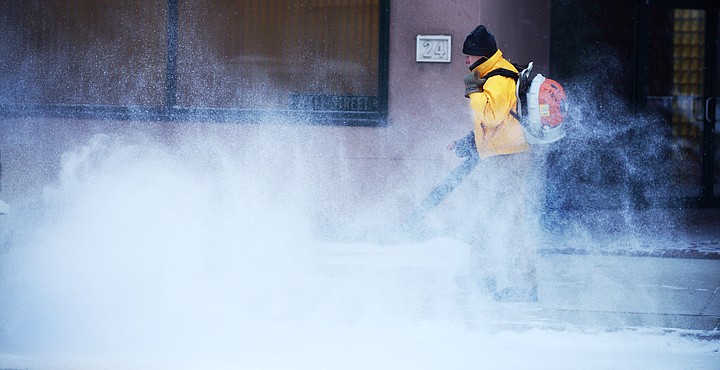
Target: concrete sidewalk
[
  {"x": 656, "y": 268},
  {"x": 620, "y": 291},
  {"x": 670, "y": 281},
  {"x": 601, "y": 293}
]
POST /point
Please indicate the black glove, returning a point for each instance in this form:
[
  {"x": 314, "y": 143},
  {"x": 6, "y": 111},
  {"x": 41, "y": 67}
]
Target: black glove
[
  {"x": 473, "y": 84},
  {"x": 465, "y": 147}
]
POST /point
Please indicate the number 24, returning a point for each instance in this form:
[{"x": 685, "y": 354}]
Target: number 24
[{"x": 434, "y": 49}]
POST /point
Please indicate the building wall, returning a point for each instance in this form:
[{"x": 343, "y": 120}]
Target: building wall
[
  {"x": 334, "y": 174},
  {"x": 427, "y": 109},
  {"x": 427, "y": 98}
]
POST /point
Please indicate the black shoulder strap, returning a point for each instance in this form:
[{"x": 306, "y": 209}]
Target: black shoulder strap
[
  {"x": 506, "y": 73},
  {"x": 502, "y": 72}
]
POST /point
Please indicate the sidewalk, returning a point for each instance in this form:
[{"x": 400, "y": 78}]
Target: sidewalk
[
  {"x": 654, "y": 268},
  {"x": 667, "y": 282},
  {"x": 621, "y": 291}
]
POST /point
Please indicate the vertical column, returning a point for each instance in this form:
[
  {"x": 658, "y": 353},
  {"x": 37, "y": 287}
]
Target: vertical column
[
  {"x": 710, "y": 94},
  {"x": 383, "y": 60},
  {"x": 172, "y": 49},
  {"x": 642, "y": 33}
]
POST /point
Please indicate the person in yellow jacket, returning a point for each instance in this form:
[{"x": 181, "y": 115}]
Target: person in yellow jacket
[{"x": 496, "y": 218}]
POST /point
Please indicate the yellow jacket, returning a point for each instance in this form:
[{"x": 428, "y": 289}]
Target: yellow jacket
[{"x": 497, "y": 132}]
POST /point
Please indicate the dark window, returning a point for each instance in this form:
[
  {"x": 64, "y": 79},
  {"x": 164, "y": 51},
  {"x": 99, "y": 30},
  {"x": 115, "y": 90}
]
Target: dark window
[{"x": 318, "y": 60}]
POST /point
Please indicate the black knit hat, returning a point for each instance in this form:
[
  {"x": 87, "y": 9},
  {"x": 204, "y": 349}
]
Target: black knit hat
[{"x": 480, "y": 42}]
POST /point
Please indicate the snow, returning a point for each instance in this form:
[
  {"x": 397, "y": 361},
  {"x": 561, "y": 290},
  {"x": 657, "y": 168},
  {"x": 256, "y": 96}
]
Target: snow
[
  {"x": 418, "y": 345},
  {"x": 141, "y": 257}
]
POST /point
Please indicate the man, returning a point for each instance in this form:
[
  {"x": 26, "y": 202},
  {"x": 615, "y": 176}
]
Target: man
[{"x": 495, "y": 221}]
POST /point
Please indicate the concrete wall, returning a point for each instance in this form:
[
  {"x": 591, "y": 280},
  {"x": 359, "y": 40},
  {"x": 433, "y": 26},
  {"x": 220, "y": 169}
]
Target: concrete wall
[{"x": 353, "y": 173}]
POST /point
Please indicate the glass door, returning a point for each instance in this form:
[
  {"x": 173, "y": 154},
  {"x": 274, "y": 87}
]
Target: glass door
[{"x": 682, "y": 85}]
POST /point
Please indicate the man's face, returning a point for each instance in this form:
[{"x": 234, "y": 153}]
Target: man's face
[{"x": 471, "y": 59}]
